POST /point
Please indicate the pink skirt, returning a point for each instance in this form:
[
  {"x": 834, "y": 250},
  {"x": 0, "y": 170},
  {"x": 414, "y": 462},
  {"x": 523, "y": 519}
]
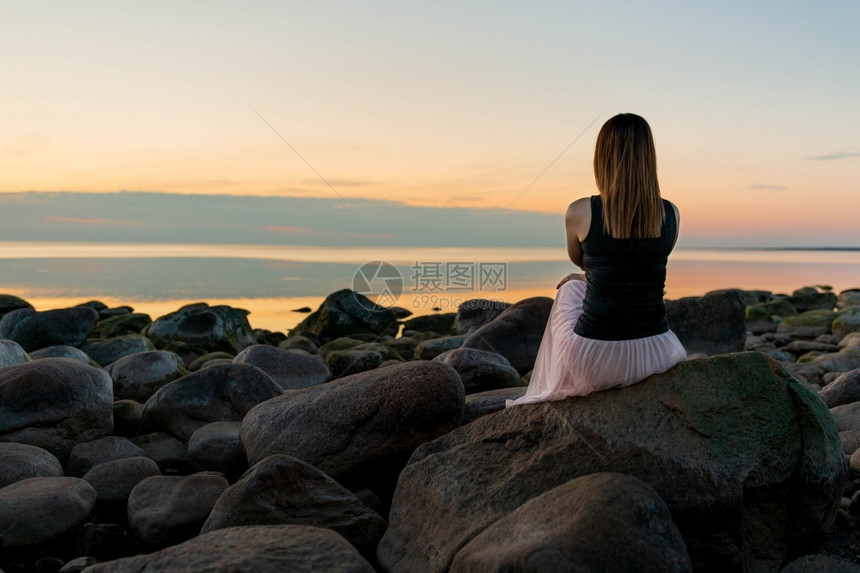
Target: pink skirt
[{"x": 568, "y": 364}]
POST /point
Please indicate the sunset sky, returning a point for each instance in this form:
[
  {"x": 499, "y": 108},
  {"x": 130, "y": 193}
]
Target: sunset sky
[{"x": 466, "y": 104}]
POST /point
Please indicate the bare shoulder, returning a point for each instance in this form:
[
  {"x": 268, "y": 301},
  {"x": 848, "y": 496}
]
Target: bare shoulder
[{"x": 578, "y": 217}]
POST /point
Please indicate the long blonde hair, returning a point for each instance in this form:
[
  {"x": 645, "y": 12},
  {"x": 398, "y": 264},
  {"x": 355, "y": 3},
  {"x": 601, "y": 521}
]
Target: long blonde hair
[{"x": 625, "y": 169}]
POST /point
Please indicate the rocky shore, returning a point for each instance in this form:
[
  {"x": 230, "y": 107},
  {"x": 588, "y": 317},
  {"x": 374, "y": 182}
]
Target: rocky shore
[{"x": 368, "y": 440}]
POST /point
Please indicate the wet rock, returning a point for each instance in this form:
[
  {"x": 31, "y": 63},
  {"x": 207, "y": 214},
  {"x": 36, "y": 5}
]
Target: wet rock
[
  {"x": 20, "y": 461},
  {"x": 34, "y": 330},
  {"x": 108, "y": 351},
  {"x": 717, "y": 438},
  {"x": 515, "y": 333},
  {"x": 54, "y": 404},
  {"x": 220, "y": 393},
  {"x": 251, "y": 549},
  {"x": 480, "y": 370},
  {"x": 597, "y": 522},
  {"x": 11, "y": 353},
  {"x": 170, "y": 509},
  {"x": 87, "y": 455},
  {"x": 713, "y": 324},
  {"x": 213, "y": 328},
  {"x": 139, "y": 376},
  {"x": 39, "y": 509},
  {"x": 284, "y": 490},
  {"x": 345, "y": 313},
  {"x": 289, "y": 369}
]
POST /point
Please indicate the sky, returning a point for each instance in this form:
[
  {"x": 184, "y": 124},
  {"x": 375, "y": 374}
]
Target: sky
[{"x": 468, "y": 122}]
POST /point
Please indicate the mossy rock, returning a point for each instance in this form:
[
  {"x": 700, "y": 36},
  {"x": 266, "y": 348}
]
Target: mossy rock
[
  {"x": 847, "y": 322},
  {"x": 132, "y": 323},
  {"x": 810, "y": 324}
]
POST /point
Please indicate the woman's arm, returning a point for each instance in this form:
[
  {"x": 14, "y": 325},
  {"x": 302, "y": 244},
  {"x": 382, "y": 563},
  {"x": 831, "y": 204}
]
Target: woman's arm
[{"x": 577, "y": 220}]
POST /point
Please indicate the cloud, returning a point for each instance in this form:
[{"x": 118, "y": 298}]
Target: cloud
[
  {"x": 90, "y": 221},
  {"x": 768, "y": 187},
  {"x": 832, "y": 156}
]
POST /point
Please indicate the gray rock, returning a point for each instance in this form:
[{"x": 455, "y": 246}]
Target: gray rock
[
  {"x": 485, "y": 403},
  {"x": 515, "y": 333},
  {"x": 808, "y": 324},
  {"x": 114, "y": 480},
  {"x": 11, "y": 353},
  {"x": 846, "y": 322},
  {"x": 850, "y": 340},
  {"x": 213, "y": 328},
  {"x": 110, "y": 350},
  {"x": 766, "y": 316},
  {"x": 821, "y": 563},
  {"x": 39, "y": 509},
  {"x": 217, "y": 447},
  {"x": 203, "y": 360},
  {"x": 20, "y": 461},
  {"x": 34, "y": 330},
  {"x": 846, "y": 416},
  {"x": 78, "y": 564},
  {"x": 9, "y": 302},
  {"x": 284, "y": 490},
  {"x": 846, "y": 298},
  {"x": 169, "y": 453},
  {"x": 475, "y": 313},
  {"x": 719, "y": 439},
  {"x": 597, "y": 522},
  {"x": 87, "y": 455},
  {"x": 801, "y": 347},
  {"x": 845, "y": 360},
  {"x": 139, "y": 376},
  {"x": 433, "y": 347},
  {"x": 810, "y": 299},
  {"x": 805, "y": 372},
  {"x": 299, "y": 343},
  {"x": 361, "y": 358},
  {"x": 713, "y": 324},
  {"x": 850, "y": 440},
  {"x": 480, "y": 370},
  {"x": 251, "y": 549},
  {"x": 442, "y": 323},
  {"x": 345, "y": 313},
  {"x": 125, "y": 323},
  {"x": 220, "y": 393},
  {"x": 54, "y": 404},
  {"x": 844, "y": 390},
  {"x": 170, "y": 509},
  {"x": 355, "y": 423},
  {"x": 127, "y": 418},
  {"x": 63, "y": 351},
  {"x": 289, "y": 369}
]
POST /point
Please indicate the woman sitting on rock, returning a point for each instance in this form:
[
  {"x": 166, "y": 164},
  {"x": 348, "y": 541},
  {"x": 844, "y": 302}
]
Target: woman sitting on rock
[{"x": 607, "y": 328}]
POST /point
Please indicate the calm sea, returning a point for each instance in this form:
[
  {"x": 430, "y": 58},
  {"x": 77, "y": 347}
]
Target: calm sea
[{"x": 272, "y": 281}]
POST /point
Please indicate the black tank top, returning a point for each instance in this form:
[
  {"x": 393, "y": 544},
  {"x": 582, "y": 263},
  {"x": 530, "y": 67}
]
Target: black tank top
[{"x": 625, "y": 280}]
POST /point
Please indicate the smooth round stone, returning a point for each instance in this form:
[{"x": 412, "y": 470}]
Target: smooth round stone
[
  {"x": 21, "y": 461},
  {"x": 39, "y": 509}
]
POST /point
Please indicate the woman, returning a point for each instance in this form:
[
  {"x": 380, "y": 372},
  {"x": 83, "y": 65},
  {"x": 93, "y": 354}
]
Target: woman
[{"x": 608, "y": 328}]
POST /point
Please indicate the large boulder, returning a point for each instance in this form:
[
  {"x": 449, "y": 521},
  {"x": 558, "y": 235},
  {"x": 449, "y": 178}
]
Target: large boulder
[
  {"x": 597, "y": 522},
  {"x": 139, "y": 376},
  {"x": 480, "y": 370},
  {"x": 11, "y": 353},
  {"x": 746, "y": 458},
  {"x": 291, "y": 370},
  {"x": 108, "y": 351},
  {"x": 359, "y": 422},
  {"x": 170, "y": 509},
  {"x": 20, "y": 461},
  {"x": 251, "y": 549},
  {"x": 9, "y": 302},
  {"x": 54, "y": 404},
  {"x": 515, "y": 333},
  {"x": 39, "y": 509},
  {"x": 210, "y": 327},
  {"x": 34, "y": 330},
  {"x": 63, "y": 351},
  {"x": 713, "y": 324},
  {"x": 282, "y": 489},
  {"x": 346, "y": 312},
  {"x": 221, "y": 393},
  {"x": 489, "y": 401}
]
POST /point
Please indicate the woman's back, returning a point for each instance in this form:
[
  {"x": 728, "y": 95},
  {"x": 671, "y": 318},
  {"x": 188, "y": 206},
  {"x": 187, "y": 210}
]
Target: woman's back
[{"x": 625, "y": 280}]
